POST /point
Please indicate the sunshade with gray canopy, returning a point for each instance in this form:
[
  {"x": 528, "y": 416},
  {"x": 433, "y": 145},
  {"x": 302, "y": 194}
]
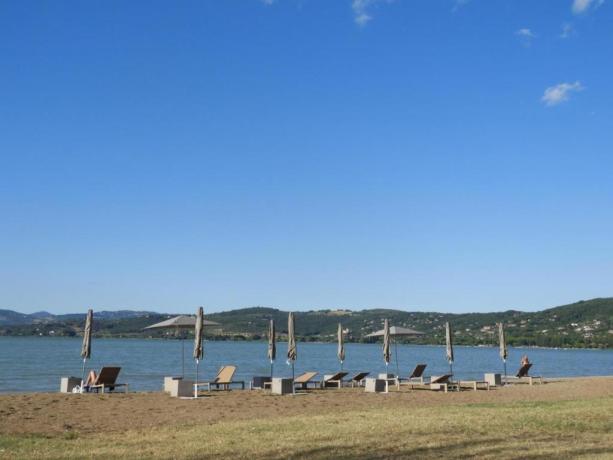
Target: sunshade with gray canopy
[
  {"x": 181, "y": 324},
  {"x": 397, "y": 331}
]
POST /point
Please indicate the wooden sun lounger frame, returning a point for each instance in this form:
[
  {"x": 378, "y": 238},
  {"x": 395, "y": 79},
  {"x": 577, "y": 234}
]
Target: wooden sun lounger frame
[
  {"x": 413, "y": 378},
  {"x": 304, "y": 383},
  {"x": 224, "y": 384},
  {"x": 442, "y": 382},
  {"x": 359, "y": 381},
  {"x": 474, "y": 384},
  {"x": 108, "y": 385},
  {"x": 522, "y": 373},
  {"x": 334, "y": 381},
  {"x": 530, "y": 378}
]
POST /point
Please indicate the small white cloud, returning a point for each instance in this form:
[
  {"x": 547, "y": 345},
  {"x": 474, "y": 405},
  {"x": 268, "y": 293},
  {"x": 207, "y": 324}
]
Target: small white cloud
[
  {"x": 526, "y": 33},
  {"x": 559, "y": 93},
  {"x": 457, "y": 4},
  {"x": 360, "y": 10},
  {"x": 581, "y": 6},
  {"x": 525, "y": 36},
  {"x": 567, "y": 30}
]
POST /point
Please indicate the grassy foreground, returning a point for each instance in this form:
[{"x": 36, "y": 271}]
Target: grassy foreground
[{"x": 579, "y": 428}]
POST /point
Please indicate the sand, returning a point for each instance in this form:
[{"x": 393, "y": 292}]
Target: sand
[{"x": 55, "y": 413}]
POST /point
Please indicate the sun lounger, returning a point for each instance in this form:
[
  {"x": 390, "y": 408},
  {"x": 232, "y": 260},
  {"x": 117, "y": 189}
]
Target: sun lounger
[
  {"x": 522, "y": 373},
  {"x": 302, "y": 381},
  {"x": 417, "y": 376},
  {"x": 358, "y": 379},
  {"x": 335, "y": 380},
  {"x": 107, "y": 380},
  {"x": 442, "y": 382},
  {"x": 474, "y": 384},
  {"x": 223, "y": 380}
]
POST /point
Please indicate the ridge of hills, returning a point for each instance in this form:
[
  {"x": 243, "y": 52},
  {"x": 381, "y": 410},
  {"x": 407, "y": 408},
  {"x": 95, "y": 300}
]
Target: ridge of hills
[{"x": 586, "y": 323}]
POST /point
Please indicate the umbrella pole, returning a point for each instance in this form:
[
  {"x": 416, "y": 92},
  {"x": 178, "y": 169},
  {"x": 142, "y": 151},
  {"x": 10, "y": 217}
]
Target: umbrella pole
[
  {"x": 182, "y": 356},
  {"x": 293, "y": 378},
  {"x": 396, "y": 353},
  {"x": 196, "y": 385},
  {"x": 271, "y": 367},
  {"x": 505, "y": 370},
  {"x": 451, "y": 368},
  {"x": 83, "y": 375}
]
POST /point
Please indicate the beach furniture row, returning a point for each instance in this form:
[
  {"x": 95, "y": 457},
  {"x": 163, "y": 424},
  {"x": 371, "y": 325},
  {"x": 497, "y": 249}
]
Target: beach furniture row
[{"x": 106, "y": 381}]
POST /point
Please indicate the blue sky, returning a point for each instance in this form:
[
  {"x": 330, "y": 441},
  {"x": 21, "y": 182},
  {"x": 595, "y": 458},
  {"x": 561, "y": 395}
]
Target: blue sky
[{"x": 441, "y": 155}]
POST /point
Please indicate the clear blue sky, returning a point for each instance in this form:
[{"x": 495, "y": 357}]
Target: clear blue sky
[{"x": 433, "y": 155}]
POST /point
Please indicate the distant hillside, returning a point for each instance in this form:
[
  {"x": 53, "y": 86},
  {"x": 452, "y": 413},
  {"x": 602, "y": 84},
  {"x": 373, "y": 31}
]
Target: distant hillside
[{"x": 582, "y": 324}]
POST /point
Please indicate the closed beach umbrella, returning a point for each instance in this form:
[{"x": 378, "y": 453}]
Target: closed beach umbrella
[
  {"x": 449, "y": 340},
  {"x": 341, "y": 346},
  {"x": 503, "y": 347},
  {"x": 86, "y": 348},
  {"x": 272, "y": 345},
  {"x": 292, "y": 352},
  {"x": 386, "y": 343},
  {"x": 198, "y": 348}
]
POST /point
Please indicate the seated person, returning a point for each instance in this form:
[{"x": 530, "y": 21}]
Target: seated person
[{"x": 90, "y": 380}]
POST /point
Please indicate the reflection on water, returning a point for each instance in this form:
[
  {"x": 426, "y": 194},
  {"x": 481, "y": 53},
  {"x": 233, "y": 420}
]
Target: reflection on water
[{"x": 37, "y": 363}]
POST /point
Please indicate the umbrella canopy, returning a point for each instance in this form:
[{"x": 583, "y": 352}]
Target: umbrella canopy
[
  {"x": 198, "y": 349},
  {"x": 292, "y": 352},
  {"x": 180, "y": 322},
  {"x": 341, "y": 346},
  {"x": 397, "y": 331},
  {"x": 503, "y": 342},
  {"x": 386, "y": 342},
  {"x": 86, "y": 348},
  {"x": 272, "y": 346},
  {"x": 449, "y": 340}
]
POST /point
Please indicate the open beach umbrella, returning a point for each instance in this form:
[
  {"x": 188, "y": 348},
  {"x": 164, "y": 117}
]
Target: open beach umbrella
[
  {"x": 397, "y": 331},
  {"x": 292, "y": 352},
  {"x": 503, "y": 347},
  {"x": 272, "y": 345},
  {"x": 181, "y": 324},
  {"x": 86, "y": 348},
  {"x": 449, "y": 351},
  {"x": 386, "y": 343},
  {"x": 341, "y": 346},
  {"x": 198, "y": 347}
]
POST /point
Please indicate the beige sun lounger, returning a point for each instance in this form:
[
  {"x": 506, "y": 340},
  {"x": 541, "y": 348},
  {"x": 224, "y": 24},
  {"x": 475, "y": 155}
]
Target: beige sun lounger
[
  {"x": 107, "y": 380},
  {"x": 302, "y": 381},
  {"x": 522, "y": 375},
  {"x": 358, "y": 379},
  {"x": 223, "y": 380},
  {"x": 442, "y": 382},
  {"x": 335, "y": 380},
  {"x": 417, "y": 376},
  {"x": 474, "y": 384}
]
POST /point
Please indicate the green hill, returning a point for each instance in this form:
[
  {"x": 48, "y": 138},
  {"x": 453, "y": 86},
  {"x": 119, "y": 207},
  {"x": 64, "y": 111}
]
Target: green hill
[{"x": 581, "y": 324}]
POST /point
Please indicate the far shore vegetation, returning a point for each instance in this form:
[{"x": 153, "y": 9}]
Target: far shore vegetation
[{"x": 585, "y": 324}]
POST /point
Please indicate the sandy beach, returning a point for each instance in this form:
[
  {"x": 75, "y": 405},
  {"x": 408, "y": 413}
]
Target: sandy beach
[
  {"x": 87, "y": 417},
  {"x": 52, "y": 413}
]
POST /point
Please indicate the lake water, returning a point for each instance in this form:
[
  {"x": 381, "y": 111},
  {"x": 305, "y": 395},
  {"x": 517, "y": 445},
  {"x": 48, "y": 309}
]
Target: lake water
[{"x": 37, "y": 363}]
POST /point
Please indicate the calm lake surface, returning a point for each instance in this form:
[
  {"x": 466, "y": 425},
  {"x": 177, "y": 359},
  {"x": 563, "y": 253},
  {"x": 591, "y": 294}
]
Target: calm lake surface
[{"x": 37, "y": 363}]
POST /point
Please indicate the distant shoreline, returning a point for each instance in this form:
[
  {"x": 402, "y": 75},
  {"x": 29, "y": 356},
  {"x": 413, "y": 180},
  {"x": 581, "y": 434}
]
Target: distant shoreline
[{"x": 209, "y": 339}]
